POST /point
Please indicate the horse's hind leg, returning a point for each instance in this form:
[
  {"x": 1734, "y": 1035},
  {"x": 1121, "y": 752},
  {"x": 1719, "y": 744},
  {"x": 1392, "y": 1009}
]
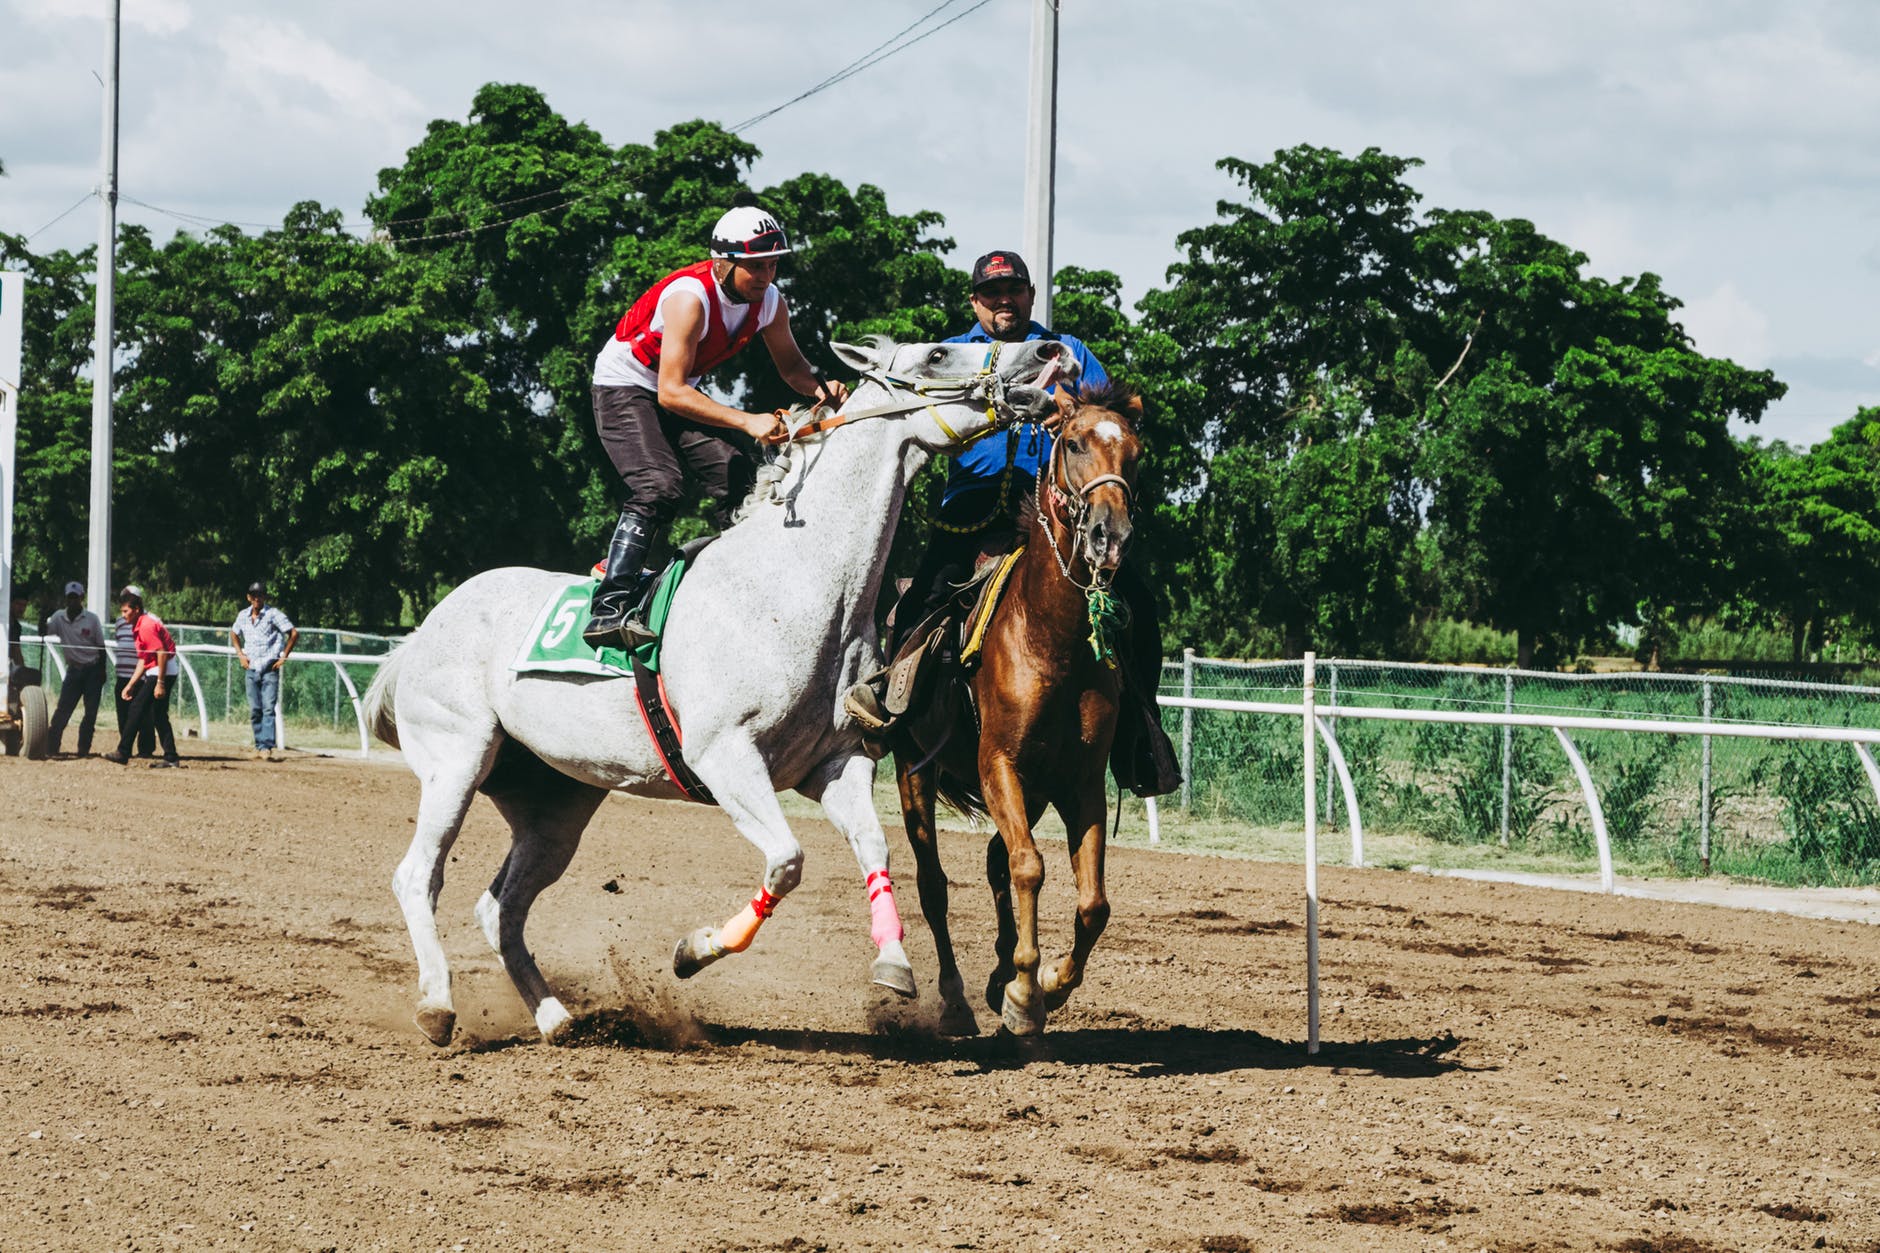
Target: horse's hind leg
[
  {"x": 846, "y": 788},
  {"x": 444, "y": 800},
  {"x": 547, "y": 812},
  {"x": 1083, "y": 823},
  {"x": 917, "y": 807}
]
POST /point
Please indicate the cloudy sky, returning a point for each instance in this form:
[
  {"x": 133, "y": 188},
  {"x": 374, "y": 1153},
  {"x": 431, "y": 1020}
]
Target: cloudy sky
[{"x": 1732, "y": 146}]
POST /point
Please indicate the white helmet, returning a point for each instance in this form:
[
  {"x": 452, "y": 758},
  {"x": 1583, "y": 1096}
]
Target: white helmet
[{"x": 748, "y": 232}]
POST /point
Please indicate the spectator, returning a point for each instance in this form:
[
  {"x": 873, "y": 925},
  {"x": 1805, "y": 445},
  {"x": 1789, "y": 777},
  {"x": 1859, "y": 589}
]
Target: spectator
[
  {"x": 148, "y": 690},
  {"x": 262, "y": 638},
  {"x": 126, "y": 637},
  {"x": 81, "y": 634}
]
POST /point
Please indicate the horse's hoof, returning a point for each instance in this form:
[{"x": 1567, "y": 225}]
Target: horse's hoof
[
  {"x": 1021, "y": 1019},
  {"x": 956, "y": 1019},
  {"x": 695, "y": 952},
  {"x": 554, "y": 1021},
  {"x": 897, "y": 977},
  {"x": 1056, "y": 993},
  {"x": 437, "y": 1022}
]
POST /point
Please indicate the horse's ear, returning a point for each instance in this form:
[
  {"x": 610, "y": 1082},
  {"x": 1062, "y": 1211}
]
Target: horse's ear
[
  {"x": 1133, "y": 408},
  {"x": 854, "y": 355},
  {"x": 1066, "y": 403}
]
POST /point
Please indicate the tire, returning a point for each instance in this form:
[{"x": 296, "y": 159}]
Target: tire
[{"x": 35, "y": 736}]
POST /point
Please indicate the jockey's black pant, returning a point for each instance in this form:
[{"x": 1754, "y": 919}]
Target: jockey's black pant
[{"x": 652, "y": 450}]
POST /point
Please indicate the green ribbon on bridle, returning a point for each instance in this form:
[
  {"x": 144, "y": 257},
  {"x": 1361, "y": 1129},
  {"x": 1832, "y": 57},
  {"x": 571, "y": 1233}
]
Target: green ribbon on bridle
[{"x": 1107, "y": 617}]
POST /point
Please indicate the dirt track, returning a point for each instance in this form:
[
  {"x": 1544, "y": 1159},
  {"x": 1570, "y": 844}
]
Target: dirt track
[{"x": 205, "y": 1040}]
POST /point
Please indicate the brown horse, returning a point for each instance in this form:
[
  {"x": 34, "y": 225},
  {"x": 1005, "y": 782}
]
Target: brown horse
[{"x": 1046, "y": 696}]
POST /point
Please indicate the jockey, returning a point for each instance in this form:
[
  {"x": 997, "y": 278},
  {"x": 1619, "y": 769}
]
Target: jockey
[
  {"x": 652, "y": 417},
  {"x": 978, "y": 511}
]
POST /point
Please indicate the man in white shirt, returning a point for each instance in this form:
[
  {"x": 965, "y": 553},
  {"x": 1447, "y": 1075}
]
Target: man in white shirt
[{"x": 80, "y": 635}]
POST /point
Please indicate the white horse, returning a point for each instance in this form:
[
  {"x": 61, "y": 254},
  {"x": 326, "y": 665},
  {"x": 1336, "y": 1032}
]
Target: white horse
[{"x": 771, "y": 625}]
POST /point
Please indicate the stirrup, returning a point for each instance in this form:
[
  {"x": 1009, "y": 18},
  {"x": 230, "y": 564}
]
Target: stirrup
[
  {"x": 605, "y": 632},
  {"x": 633, "y": 633},
  {"x": 863, "y": 703}
]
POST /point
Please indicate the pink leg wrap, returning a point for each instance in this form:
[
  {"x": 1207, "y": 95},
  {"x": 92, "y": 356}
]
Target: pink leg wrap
[{"x": 884, "y": 918}]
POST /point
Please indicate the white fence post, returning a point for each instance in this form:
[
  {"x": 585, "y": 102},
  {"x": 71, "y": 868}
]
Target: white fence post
[
  {"x": 1703, "y": 816},
  {"x": 1309, "y": 724},
  {"x": 1507, "y": 762},
  {"x": 1188, "y": 728}
]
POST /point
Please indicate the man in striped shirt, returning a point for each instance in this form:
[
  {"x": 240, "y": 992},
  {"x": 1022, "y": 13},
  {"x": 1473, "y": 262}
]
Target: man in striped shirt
[{"x": 262, "y": 637}]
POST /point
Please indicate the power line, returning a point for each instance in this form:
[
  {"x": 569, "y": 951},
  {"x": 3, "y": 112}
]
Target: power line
[
  {"x": 55, "y": 221},
  {"x": 870, "y": 58}
]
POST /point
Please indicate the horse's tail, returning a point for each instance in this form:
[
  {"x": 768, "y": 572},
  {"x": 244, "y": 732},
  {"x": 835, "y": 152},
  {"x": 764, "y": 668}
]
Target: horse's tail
[{"x": 380, "y": 711}]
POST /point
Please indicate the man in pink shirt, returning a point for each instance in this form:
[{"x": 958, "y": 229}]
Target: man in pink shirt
[{"x": 148, "y": 689}]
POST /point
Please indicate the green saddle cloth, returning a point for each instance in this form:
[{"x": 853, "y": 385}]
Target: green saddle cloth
[{"x": 554, "y": 644}]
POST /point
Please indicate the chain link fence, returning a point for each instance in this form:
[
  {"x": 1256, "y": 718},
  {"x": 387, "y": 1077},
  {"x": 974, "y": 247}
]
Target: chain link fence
[{"x": 1792, "y": 812}]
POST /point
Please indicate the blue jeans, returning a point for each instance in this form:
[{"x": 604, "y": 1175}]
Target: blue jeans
[{"x": 264, "y": 692}]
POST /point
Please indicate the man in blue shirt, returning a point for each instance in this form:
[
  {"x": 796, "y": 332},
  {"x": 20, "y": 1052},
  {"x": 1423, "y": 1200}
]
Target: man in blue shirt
[{"x": 983, "y": 488}]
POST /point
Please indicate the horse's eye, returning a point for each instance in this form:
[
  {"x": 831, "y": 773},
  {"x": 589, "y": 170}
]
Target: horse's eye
[
  {"x": 1076, "y": 446},
  {"x": 937, "y": 357}
]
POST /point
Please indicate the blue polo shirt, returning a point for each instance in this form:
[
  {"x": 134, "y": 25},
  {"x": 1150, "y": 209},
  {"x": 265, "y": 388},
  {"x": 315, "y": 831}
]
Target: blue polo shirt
[{"x": 978, "y": 467}]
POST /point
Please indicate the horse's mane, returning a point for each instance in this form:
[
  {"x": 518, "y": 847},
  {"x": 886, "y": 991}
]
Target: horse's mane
[{"x": 1113, "y": 394}]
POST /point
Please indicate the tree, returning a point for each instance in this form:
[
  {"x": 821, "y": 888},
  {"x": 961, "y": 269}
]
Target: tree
[
  {"x": 1299, "y": 324},
  {"x": 1818, "y": 516},
  {"x": 1578, "y": 452}
]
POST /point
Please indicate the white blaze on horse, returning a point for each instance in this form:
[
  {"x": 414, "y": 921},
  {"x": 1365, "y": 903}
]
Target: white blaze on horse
[{"x": 769, "y": 627}]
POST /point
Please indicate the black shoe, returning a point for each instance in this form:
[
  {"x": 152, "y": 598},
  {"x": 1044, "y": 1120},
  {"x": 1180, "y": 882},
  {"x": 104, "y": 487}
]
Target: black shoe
[
  {"x": 634, "y": 633},
  {"x": 605, "y": 631},
  {"x": 118, "y": 757}
]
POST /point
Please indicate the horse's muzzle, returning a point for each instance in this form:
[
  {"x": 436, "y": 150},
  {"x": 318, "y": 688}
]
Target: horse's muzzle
[{"x": 1106, "y": 535}]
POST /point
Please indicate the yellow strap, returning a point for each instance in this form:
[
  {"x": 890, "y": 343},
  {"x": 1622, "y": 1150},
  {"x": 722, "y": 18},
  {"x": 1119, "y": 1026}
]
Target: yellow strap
[
  {"x": 995, "y": 588},
  {"x": 947, "y": 430}
]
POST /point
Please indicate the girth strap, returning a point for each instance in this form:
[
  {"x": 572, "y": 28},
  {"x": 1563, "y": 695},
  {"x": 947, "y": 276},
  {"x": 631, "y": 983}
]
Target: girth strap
[{"x": 663, "y": 727}]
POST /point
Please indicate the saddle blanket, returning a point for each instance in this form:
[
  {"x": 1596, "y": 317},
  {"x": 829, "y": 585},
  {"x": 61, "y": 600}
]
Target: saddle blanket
[{"x": 554, "y": 644}]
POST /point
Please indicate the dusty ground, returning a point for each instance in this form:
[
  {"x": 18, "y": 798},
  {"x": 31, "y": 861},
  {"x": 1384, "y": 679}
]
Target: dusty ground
[{"x": 205, "y": 991}]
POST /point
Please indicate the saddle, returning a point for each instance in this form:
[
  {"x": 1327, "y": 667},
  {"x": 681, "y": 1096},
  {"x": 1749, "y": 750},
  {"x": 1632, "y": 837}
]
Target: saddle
[{"x": 920, "y": 689}]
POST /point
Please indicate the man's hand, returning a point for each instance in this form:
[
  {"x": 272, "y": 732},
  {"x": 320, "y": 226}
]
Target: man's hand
[
  {"x": 128, "y": 689},
  {"x": 280, "y": 662},
  {"x": 831, "y": 392},
  {"x": 761, "y": 425},
  {"x": 243, "y": 658}
]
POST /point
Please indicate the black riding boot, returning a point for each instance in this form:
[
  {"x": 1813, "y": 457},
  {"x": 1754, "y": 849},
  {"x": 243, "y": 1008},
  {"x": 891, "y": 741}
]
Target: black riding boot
[{"x": 613, "y": 614}]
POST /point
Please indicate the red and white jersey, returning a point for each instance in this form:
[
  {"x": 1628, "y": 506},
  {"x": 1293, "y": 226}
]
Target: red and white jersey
[{"x": 630, "y": 358}]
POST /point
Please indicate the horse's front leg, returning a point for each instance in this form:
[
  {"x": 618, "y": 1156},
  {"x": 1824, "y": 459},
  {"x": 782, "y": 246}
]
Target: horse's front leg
[
  {"x": 917, "y": 816},
  {"x": 846, "y": 788},
  {"x": 1022, "y": 1008},
  {"x": 740, "y": 781},
  {"x": 1083, "y": 817}
]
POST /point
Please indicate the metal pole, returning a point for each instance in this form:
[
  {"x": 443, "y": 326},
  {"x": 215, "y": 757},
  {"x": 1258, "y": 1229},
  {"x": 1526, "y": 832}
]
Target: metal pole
[
  {"x": 1041, "y": 154},
  {"x": 1507, "y": 763},
  {"x": 1188, "y": 729},
  {"x": 98, "y": 568},
  {"x": 1312, "y": 863},
  {"x": 1703, "y": 804}
]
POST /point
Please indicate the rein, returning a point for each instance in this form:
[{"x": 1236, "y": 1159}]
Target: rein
[{"x": 987, "y": 384}]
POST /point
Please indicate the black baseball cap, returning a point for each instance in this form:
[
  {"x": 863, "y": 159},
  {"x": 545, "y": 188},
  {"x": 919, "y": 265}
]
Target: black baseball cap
[
  {"x": 255, "y": 589},
  {"x": 997, "y": 265}
]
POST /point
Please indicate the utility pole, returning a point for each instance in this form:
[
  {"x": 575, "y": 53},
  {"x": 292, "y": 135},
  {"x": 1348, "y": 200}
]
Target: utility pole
[
  {"x": 98, "y": 570},
  {"x": 1041, "y": 154}
]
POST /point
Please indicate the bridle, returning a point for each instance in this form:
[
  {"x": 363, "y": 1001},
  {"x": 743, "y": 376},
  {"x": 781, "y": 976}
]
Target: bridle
[
  {"x": 1064, "y": 495},
  {"x": 910, "y": 395},
  {"x": 1107, "y": 615}
]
